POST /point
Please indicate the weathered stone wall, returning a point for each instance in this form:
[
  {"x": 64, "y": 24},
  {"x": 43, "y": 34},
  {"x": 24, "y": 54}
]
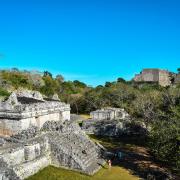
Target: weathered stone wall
[
  {"x": 113, "y": 128},
  {"x": 147, "y": 75},
  {"x": 65, "y": 115},
  {"x": 26, "y": 159},
  {"x": 59, "y": 144},
  {"x": 150, "y": 75},
  {"x": 154, "y": 75},
  {"x": 14, "y": 157},
  {"x": 100, "y": 115},
  {"x": 109, "y": 114},
  {"x": 28, "y": 169},
  {"x": 11, "y": 126},
  {"x": 25, "y": 109},
  {"x": 7, "y": 127},
  {"x": 104, "y": 127},
  {"x": 164, "y": 78}
]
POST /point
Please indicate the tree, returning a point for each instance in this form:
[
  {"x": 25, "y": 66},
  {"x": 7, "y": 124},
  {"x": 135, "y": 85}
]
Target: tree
[
  {"x": 108, "y": 84},
  {"x": 4, "y": 92},
  {"x": 74, "y": 100},
  {"x": 16, "y": 79},
  {"x": 178, "y": 70},
  {"x": 165, "y": 141},
  {"x": 50, "y": 86},
  {"x": 146, "y": 106},
  {"x": 15, "y": 69},
  {"x": 47, "y": 73},
  {"x": 121, "y": 80},
  {"x": 79, "y": 84},
  {"x": 60, "y": 78}
]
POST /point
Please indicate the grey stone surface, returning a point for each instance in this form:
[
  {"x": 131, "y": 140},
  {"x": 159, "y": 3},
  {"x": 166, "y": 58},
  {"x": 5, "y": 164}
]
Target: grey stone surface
[
  {"x": 26, "y": 134},
  {"x": 24, "y": 109},
  {"x": 112, "y": 122},
  {"x": 52, "y": 126},
  {"x": 30, "y": 94},
  {"x": 37, "y": 133},
  {"x": 56, "y": 143},
  {"x": 109, "y": 113},
  {"x": 56, "y": 97},
  {"x": 104, "y": 127},
  {"x": 162, "y": 77},
  {"x": 2, "y": 141}
]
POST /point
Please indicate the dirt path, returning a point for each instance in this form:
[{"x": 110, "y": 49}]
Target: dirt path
[{"x": 135, "y": 158}]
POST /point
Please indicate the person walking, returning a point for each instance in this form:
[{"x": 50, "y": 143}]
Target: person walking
[{"x": 109, "y": 163}]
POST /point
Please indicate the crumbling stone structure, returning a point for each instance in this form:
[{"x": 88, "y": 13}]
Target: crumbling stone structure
[
  {"x": 107, "y": 122},
  {"x": 109, "y": 113},
  {"x": 25, "y": 153},
  {"x": 53, "y": 140},
  {"x": 162, "y": 77},
  {"x": 24, "y": 109}
]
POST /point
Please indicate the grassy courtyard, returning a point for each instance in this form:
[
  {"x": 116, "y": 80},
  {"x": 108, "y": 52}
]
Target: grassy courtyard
[{"x": 53, "y": 173}]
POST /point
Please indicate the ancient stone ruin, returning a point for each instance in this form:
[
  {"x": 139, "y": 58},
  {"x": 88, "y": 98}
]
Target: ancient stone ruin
[
  {"x": 107, "y": 122},
  {"x": 162, "y": 77},
  {"x": 112, "y": 122},
  {"x": 24, "y": 109},
  {"x": 109, "y": 113},
  {"x": 40, "y": 134}
]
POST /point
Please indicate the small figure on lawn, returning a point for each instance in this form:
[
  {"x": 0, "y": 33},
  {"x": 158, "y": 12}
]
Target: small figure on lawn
[{"x": 109, "y": 163}]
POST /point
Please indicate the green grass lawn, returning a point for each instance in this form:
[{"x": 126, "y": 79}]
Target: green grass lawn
[
  {"x": 85, "y": 116},
  {"x": 53, "y": 173}
]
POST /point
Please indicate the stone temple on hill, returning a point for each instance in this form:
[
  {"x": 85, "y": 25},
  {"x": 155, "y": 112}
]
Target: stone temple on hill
[
  {"x": 162, "y": 77},
  {"x": 24, "y": 109},
  {"x": 37, "y": 132}
]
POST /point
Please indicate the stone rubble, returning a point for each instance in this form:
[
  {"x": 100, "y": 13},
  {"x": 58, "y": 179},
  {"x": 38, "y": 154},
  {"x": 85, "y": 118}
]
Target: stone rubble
[
  {"x": 113, "y": 122},
  {"x": 26, "y": 134},
  {"x": 67, "y": 146}
]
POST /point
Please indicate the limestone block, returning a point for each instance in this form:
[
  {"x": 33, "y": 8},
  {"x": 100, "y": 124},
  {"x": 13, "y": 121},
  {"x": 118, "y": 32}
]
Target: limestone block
[
  {"x": 66, "y": 115},
  {"x": 56, "y": 97},
  {"x": 31, "y": 151},
  {"x": 15, "y": 157},
  {"x": 27, "y": 169}
]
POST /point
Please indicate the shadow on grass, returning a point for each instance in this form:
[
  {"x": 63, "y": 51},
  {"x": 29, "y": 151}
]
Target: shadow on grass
[
  {"x": 136, "y": 158},
  {"x": 103, "y": 166}
]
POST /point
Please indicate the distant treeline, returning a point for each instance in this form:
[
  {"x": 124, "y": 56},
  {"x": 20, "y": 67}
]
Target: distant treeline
[{"x": 154, "y": 107}]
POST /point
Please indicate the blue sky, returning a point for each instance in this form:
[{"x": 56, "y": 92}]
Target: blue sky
[{"x": 90, "y": 40}]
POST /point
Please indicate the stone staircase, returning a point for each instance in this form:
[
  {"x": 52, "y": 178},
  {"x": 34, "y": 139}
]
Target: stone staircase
[{"x": 79, "y": 148}]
